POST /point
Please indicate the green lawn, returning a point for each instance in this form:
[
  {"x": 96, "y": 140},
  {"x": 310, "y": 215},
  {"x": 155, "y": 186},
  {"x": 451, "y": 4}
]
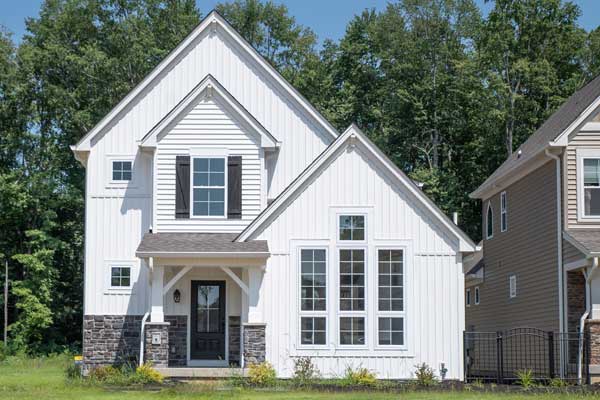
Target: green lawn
[{"x": 44, "y": 379}]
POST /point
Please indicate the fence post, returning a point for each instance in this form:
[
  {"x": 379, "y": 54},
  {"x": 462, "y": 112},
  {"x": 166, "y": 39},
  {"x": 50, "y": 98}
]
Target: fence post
[
  {"x": 551, "y": 354},
  {"x": 499, "y": 357}
]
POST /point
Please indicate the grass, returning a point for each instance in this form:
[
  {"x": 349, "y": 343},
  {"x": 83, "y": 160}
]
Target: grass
[{"x": 44, "y": 379}]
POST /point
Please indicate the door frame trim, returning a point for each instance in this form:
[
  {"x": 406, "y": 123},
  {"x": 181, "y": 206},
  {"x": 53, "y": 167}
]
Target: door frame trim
[{"x": 208, "y": 363}]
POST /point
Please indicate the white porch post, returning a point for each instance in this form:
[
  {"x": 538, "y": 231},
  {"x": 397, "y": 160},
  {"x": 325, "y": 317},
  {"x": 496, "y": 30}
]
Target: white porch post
[
  {"x": 255, "y": 277},
  {"x": 156, "y": 297}
]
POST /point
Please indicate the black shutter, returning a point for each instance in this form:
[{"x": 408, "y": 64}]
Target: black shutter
[
  {"x": 182, "y": 187},
  {"x": 234, "y": 189}
]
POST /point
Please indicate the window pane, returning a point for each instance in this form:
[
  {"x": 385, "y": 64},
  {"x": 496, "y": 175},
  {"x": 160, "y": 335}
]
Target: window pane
[
  {"x": 391, "y": 331},
  {"x": 217, "y": 165},
  {"x": 216, "y": 195},
  {"x": 200, "y": 208},
  {"x": 313, "y": 290},
  {"x": 591, "y": 172},
  {"x": 200, "y": 165},
  {"x": 200, "y": 179},
  {"x": 352, "y": 280},
  {"x": 592, "y": 201},
  {"x": 390, "y": 280},
  {"x": 126, "y": 176},
  {"x": 116, "y": 175},
  {"x": 216, "y": 209},
  {"x": 352, "y": 330},
  {"x": 352, "y": 227},
  {"x": 313, "y": 330}
]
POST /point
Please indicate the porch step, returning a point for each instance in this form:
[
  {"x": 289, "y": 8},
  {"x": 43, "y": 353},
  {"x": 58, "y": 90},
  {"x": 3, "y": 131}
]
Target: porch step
[{"x": 201, "y": 372}]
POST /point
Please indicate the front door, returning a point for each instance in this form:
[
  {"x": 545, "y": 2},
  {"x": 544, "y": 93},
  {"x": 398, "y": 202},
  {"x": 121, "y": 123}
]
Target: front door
[{"x": 207, "y": 333}]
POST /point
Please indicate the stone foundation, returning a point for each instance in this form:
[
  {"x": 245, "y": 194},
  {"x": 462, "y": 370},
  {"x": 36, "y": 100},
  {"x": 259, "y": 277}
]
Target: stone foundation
[
  {"x": 234, "y": 340},
  {"x": 177, "y": 340},
  {"x": 254, "y": 343},
  {"x": 111, "y": 340},
  {"x": 157, "y": 354}
]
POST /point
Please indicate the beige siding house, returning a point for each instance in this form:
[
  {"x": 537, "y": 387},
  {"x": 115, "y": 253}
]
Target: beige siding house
[{"x": 541, "y": 232}]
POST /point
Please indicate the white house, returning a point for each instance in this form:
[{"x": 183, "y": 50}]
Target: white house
[{"x": 231, "y": 223}]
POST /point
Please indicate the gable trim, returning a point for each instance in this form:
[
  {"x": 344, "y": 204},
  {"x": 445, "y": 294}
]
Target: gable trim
[
  {"x": 209, "y": 87},
  {"x": 211, "y": 21},
  {"x": 563, "y": 138},
  {"x": 353, "y": 133}
]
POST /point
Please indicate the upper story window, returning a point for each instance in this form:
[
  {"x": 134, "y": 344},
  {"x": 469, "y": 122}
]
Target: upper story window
[
  {"x": 503, "y": 212},
  {"x": 591, "y": 187},
  {"x": 352, "y": 227},
  {"x": 208, "y": 187},
  {"x": 477, "y": 295},
  {"x": 121, "y": 170},
  {"x": 512, "y": 286},
  {"x": 468, "y": 298},
  {"x": 489, "y": 222}
]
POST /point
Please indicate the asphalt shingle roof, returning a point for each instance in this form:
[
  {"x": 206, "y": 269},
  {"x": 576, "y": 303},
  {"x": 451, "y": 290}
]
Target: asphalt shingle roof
[
  {"x": 589, "y": 239},
  {"x": 199, "y": 243}
]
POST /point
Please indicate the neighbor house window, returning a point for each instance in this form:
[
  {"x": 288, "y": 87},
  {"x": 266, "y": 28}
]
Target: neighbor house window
[
  {"x": 591, "y": 186},
  {"x": 489, "y": 222},
  {"x": 208, "y": 187},
  {"x": 477, "y": 295},
  {"x": 313, "y": 296},
  {"x": 352, "y": 227},
  {"x": 352, "y": 296},
  {"x": 512, "y": 283},
  {"x": 390, "y": 296},
  {"x": 120, "y": 277},
  {"x": 121, "y": 170},
  {"x": 468, "y": 298},
  {"x": 503, "y": 212}
]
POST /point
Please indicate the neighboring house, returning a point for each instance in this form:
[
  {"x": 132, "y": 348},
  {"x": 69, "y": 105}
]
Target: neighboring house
[
  {"x": 232, "y": 223},
  {"x": 541, "y": 230}
]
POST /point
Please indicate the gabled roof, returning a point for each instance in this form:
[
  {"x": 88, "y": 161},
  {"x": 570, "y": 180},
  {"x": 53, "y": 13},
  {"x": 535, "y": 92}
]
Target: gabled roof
[
  {"x": 351, "y": 135},
  {"x": 585, "y": 240},
  {"x": 209, "y": 87},
  {"x": 554, "y": 132},
  {"x": 211, "y": 21}
]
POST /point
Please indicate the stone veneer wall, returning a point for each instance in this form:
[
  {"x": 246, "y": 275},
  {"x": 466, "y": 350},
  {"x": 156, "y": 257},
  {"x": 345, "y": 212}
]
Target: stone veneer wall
[
  {"x": 575, "y": 299},
  {"x": 157, "y": 354},
  {"x": 111, "y": 339},
  {"x": 177, "y": 340},
  {"x": 234, "y": 340},
  {"x": 593, "y": 332},
  {"x": 254, "y": 343}
]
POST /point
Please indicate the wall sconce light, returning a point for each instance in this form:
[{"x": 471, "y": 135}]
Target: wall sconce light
[{"x": 176, "y": 296}]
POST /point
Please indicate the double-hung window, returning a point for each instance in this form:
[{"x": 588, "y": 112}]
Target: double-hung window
[
  {"x": 313, "y": 297},
  {"x": 208, "y": 187},
  {"x": 390, "y": 281},
  {"x": 352, "y": 271},
  {"x": 591, "y": 187},
  {"x": 503, "y": 212}
]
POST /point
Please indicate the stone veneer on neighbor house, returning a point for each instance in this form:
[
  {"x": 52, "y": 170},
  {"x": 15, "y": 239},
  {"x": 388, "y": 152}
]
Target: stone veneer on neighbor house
[{"x": 254, "y": 343}]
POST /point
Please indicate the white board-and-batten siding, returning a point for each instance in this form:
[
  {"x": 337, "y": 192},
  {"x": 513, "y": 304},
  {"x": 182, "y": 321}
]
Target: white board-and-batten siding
[
  {"x": 434, "y": 281},
  {"x": 207, "y": 126}
]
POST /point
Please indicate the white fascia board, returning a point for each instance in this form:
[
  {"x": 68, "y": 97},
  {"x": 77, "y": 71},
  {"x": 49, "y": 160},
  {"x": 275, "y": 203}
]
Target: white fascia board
[
  {"x": 351, "y": 134},
  {"x": 212, "y": 21},
  {"x": 208, "y": 88},
  {"x": 563, "y": 138}
]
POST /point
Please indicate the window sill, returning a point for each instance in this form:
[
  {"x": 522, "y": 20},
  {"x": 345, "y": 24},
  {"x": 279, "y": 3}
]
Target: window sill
[{"x": 119, "y": 291}]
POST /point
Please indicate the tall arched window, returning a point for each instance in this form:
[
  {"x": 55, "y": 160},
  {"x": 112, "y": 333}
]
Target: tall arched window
[{"x": 489, "y": 222}]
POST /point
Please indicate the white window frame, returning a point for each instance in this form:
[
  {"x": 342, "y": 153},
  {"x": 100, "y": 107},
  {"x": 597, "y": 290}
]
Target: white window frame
[
  {"x": 347, "y": 245},
  {"x": 391, "y": 314},
  {"x": 488, "y": 222},
  {"x": 582, "y": 154},
  {"x": 225, "y": 186},
  {"x": 313, "y": 313},
  {"x": 477, "y": 294},
  {"x": 352, "y": 214},
  {"x": 503, "y": 212},
  {"x": 120, "y": 184},
  {"x": 133, "y": 276},
  {"x": 468, "y": 297},
  {"x": 512, "y": 286}
]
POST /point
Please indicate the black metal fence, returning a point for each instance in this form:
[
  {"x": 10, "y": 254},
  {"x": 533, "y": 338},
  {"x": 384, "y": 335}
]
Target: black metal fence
[{"x": 500, "y": 356}]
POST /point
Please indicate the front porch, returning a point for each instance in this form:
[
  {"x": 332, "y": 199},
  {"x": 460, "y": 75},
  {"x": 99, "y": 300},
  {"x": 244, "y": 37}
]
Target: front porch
[{"x": 205, "y": 311}]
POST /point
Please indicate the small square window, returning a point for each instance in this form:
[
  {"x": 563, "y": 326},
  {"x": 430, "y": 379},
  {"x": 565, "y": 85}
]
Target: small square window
[
  {"x": 352, "y": 331},
  {"x": 313, "y": 330},
  {"x": 352, "y": 227},
  {"x": 121, "y": 170},
  {"x": 120, "y": 277},
  {"x": 391, "y": 331}
]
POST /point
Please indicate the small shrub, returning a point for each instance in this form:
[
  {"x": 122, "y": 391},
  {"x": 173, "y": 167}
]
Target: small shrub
[
  {"x": 558, "y": 383},
  {"x": 304, "y": 370},
  {"x": 262, "y": 374},
  {"x": 105, "y": 374},
  {"x": 477, "y": 383},
  {"x": 525, "y": 378},
  {"x": 359, "y": 377},
  {"x": 145, "y": 375},
  {"x": 425, "y": 375}
]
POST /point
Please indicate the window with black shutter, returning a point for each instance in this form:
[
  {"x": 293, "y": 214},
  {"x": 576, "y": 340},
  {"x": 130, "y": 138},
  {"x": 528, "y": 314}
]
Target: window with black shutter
[
  {"x": 234, "y": 190},
  {"x": 182, "y": 187}
]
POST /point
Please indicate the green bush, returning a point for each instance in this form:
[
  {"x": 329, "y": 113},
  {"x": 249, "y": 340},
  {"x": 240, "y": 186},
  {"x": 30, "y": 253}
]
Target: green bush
[
  {"x": 525, "y": 378},
  {"x": 106, "y": 374},
  {"x": 146, "y": 374},
  {"x": 262, "y": 374},
  {"x": 359, "y": 377},
  {"x": 126, "y": 375},
  {"x": 557, "y": 382},
  {"x": 425, "y": 375},
  {"x": 304, "y": 370}
]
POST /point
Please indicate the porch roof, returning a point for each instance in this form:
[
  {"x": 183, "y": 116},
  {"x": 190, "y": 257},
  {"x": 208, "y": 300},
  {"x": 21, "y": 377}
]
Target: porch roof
[
  {"x": 585, "y": 240},
  {"x": 199, "y": 245}
]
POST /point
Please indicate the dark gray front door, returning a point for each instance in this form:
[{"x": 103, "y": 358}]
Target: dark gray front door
[{"x": 207, "y": 332}]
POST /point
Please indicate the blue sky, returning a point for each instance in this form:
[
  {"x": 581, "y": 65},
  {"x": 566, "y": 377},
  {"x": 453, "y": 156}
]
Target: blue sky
[{"x": 328, "y": 18}]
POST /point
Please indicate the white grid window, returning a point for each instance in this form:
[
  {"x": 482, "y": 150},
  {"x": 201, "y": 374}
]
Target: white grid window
[
  {"x": 352, "y": 331},
  {"x": 503, "y": 212},
  {"x": 313, "y": 275},
  {"x": 352, "y": 227},
  {"x": 391, "y": 331},
  {"x": 120, "y": 277},
  {"x": 391, "y": 280},
  {"x": 313, "y": 330},
  {"x": 208, "y": 187},
  {"x": 591, "y": 187},
  {"x": 352, "y": 280},
  {"x": 121, "y": 170}
]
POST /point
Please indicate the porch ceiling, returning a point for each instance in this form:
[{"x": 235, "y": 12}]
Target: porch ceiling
[{"x": 211, "y": 245}]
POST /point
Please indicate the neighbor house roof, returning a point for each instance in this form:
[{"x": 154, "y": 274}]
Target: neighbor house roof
[
  {"x": 199, "y": 245},
  {"x": 354, "y": 135},
  {"x": 571, "y": 114},
  {"x": 585, "y": 240}
]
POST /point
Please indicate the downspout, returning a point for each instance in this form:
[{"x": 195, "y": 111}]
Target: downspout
[
  {"x": 561, "y": 288},
  {"x": 588, "y": 306},
  {"x": 147, "y": 314}
]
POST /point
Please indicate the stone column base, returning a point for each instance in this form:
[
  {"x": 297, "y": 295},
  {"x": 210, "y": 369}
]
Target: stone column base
[
  {"x": 255, "y": 347},
  {"x": 157, "y": 353}
]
